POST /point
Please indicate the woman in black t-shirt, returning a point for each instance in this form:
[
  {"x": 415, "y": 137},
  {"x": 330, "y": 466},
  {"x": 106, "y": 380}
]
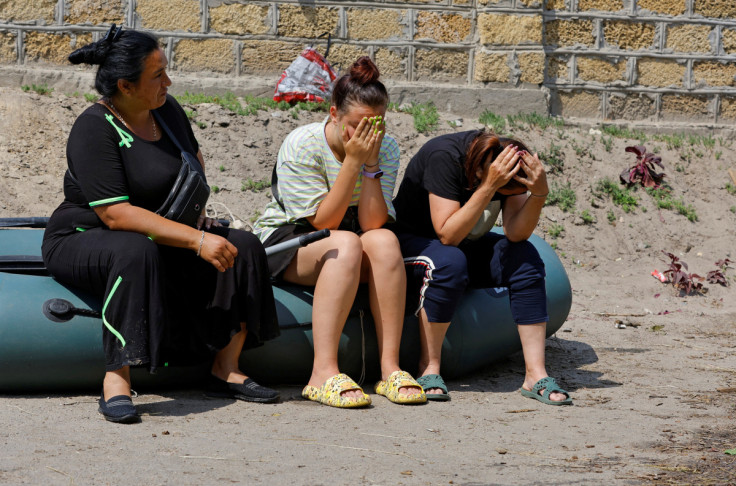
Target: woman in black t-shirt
[
  {"x": 170, "y": 292},
  {"x": 450, "y": 197}
]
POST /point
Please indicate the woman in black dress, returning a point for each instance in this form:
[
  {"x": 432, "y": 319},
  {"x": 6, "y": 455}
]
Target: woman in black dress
[{"x": 169, "y": 291}]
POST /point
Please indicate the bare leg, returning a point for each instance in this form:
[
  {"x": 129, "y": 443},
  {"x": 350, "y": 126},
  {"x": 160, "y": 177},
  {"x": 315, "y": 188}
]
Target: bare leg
[
  {"x": 330, "y": 265},
  {"x": 431, "y": 336},
  {"x": 116, "y": 383},
  {"x": 225, "y": 365},
  {"x": 383, "y": 269},
  {"x": 532, "y": 344}
]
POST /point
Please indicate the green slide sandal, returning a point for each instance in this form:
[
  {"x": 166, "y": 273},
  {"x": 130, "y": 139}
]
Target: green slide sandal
[
  {"x": 434, "y": 381},
  {"x": 549, "y": 385}
]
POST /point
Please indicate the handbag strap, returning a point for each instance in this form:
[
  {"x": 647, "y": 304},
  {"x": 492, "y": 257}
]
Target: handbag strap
[{"x": 160, "y": 120}]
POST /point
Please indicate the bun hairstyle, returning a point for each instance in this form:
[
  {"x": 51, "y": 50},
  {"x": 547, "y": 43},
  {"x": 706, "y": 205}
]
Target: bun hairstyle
[
  {"x": 120, "y": 56},
  {"x": 485, "y": 147},
  {"x": 359, "y": 87}
]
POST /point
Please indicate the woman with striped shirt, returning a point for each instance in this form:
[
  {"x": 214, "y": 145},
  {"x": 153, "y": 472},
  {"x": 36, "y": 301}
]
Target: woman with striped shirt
[{"x": 340, "y": 174}]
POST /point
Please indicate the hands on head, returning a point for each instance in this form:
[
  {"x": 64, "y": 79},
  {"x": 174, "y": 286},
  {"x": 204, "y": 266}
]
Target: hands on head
[
  {"x": 364, "y": 143},
  {"x": 514, "y": 164}
]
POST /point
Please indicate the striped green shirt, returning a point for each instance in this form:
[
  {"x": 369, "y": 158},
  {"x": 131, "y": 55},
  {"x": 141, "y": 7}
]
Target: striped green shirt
[{"x": 307, "y": 169}]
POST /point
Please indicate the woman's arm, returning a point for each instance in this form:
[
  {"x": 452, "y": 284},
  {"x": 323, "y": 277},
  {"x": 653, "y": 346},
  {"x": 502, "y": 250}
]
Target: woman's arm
[
  {"x": 358, "y": 150},
  {"x": 453, "y": 222},
  {"x": 521, "y": 213},
  {"x": 126, "y": 217}
]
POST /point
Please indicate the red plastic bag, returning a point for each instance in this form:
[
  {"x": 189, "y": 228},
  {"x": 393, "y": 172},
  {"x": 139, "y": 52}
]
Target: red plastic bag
[{"x": 308, "y": 78}]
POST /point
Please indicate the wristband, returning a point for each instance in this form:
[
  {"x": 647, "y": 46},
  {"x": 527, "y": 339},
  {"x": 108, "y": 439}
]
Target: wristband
[
  {"x": 201, "y": 240},
  {"x": 373, "y": 175}
]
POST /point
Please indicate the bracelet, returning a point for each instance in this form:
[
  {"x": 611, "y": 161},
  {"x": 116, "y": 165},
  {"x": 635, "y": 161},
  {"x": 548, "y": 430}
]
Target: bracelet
[
  {"x": 201, "y": 240},
  {"x": 539, "y": 195},
  {"x": 366, "y": 165}
]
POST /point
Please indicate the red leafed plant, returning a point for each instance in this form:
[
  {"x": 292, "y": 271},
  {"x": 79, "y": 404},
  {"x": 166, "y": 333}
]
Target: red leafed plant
[
  {"x": 643, "y": 171},
  {"x": 686, "y": 282},
  {"x": 717, "y": 276}
]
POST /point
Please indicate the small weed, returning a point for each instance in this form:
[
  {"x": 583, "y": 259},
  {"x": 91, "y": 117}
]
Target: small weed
[
  {"x": 607, "y": 143},
  {"x": 587, "y": 217},
  {"x": 562, "y": 196},
  {"x": 452, "y": 123},
  {"x": 534, "y": 120},
  {"x": 679, "y": 168},
  {"x": 41, "y": 89},
  {"x": 221, "y": 168},
  {"x": 553, "y": 245},
  {"x": 622, "y": 197},
  {"x": 255, "y": 186},
  {"x": 718, "y": 275},
  {"x": 555, "y": 230},
  {"x": 733, "y": 209},
  {"x": 425, "y": 116},
  {"x": 201, "y": 125},
  {"x": 730, "y": 188},
  {"x": 657, "y": 327},
  {"x": 91, "y": 97},
  {"x": 255, "y": 216},
  {"x": 553, "y": 158},
  {"x": 189, "y": 113},
  {"x": 622, "y": 132},
  {"x": 664, "y": 200},
  {"x": 494, "y": 122},
  {"x": 215, "y": 189},
  {"x": 610, "y": 216},
  {"x": 718, "y": 155}
]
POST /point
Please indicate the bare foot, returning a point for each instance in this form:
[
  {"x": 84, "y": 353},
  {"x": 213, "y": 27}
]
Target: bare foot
[{"x": 317, "y": 380}]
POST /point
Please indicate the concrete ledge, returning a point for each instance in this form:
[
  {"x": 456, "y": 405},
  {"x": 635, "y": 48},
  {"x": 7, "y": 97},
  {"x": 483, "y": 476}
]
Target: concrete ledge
[{"x": 456, "y": 99}]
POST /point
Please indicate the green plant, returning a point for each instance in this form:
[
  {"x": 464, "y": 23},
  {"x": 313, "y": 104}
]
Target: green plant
[
  {"x": 255, "y": 186},
  {"x": 189, "y": 113},
  {"x": 718, "y": 155},
  {"x": 561, "y": 196},
  {"x": 622, "y": 197},
  {"x": 452, "y": 123},
  {"x": 533, "y": 120},
  {"x": 553, "y": 158},
  {"x": 255, "y": 216},
  {"x": 623, "y": 132},
  {"x": 91, "y": 97},
  {"x": 732, "y": 209},
  {"x": 425, "y": 116},
  {"x": 607, "y": 143},
  {"x": 730, "y": 188},
  {"x": 664, "y": 200},
  {"x": 215, "y": 189},
  {"x": 610, "y": 216},
  {"x": 41, "y": 89},
  {"x": 555, "y": 230},
  {"x": 587, "y": 217},
  {"x": 495, "y": 122},
  {"x": 221, "y": 168},
  {"x": 201, "y": 125}
]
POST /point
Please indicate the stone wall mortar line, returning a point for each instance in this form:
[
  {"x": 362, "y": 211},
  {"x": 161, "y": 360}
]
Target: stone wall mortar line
[
  {"x": 238, "y": 46},
  {"x": 59, "y": 12},
  {"x": 274, "y": 18},
  {"x": 640, "y": 90},
  {"x": 639, "y": 54},
  {"x": 204, "y": 16},
  {"x": 20, "y": 47},
  {"x": 130, "y": 13},
  {"x": 556, "y": 15}
]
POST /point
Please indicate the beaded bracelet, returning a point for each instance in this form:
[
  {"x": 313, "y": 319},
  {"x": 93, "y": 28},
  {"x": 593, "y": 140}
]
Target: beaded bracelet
[{"x": 201, "y": 240}]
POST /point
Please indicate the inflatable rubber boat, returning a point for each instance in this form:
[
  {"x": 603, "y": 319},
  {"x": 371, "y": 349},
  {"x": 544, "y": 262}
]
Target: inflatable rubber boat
[{"x": 51, "y": 334}]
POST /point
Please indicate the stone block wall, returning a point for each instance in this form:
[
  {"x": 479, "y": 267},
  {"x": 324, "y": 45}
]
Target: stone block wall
[{"x": 629, "y": 60}]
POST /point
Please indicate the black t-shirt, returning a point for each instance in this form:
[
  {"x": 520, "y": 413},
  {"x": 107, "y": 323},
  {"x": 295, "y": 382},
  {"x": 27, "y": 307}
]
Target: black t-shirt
[
  {"x": 111, "y": 164},
  {"x": 438, "y": 168}
]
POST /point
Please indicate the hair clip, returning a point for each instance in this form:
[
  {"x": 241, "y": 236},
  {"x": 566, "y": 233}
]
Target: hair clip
[{"x": 112, "y": 34}]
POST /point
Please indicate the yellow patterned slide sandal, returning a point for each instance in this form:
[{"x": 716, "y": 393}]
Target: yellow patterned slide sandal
[
  {"x": 330, "y": 393},
  {"x": 397, "y": 380}
]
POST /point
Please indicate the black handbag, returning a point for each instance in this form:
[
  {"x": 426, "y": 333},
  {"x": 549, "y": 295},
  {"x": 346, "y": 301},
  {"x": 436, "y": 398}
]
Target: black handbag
[{"x": 190, "y": 191}]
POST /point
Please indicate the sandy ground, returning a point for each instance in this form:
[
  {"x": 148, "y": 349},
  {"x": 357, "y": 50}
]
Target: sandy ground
[{"x": 652, "y": 371}]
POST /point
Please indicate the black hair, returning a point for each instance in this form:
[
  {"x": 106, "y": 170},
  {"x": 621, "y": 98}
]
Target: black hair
[{"x": 119, "y": 57}]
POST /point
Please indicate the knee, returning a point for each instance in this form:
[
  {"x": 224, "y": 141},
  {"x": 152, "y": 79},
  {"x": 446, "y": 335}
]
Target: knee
[
  {"x": 347, "y": 247},
  {"x": 453, "y": 264},
  {"x": 384, "y": 245}
]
